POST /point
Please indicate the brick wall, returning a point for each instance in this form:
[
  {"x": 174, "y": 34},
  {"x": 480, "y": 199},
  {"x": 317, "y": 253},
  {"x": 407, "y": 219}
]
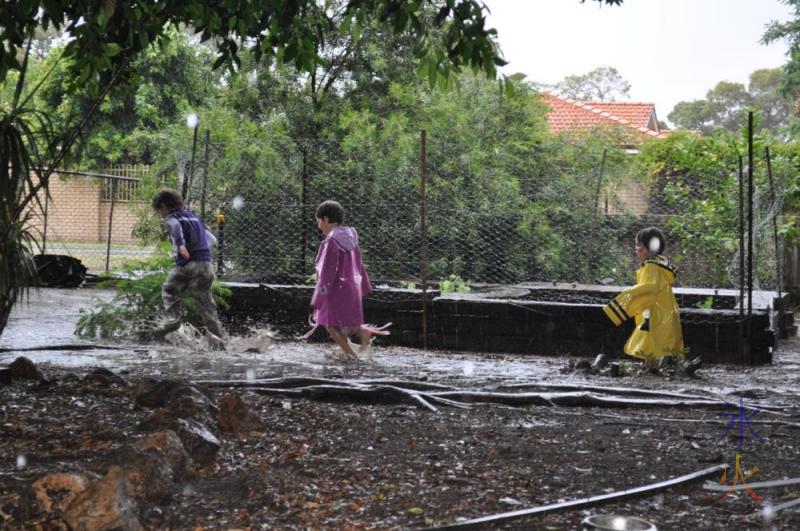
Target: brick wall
[{"x": 77, "y": 213}]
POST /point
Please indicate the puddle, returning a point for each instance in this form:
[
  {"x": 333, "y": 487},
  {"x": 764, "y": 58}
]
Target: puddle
[{"x": 49, "y": 316}]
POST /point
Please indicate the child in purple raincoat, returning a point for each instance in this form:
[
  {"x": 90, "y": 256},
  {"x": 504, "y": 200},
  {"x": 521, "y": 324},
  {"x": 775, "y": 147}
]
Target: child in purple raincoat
[{"x": 341, "y": 281}]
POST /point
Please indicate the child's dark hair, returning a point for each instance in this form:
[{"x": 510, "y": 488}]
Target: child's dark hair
[
  {"x": 168, "y": 198},
  {"x": 331, "y": 210},
  {"x": 652, "y": 239}
]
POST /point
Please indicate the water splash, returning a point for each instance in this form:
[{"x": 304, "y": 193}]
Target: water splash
[
  {"x": 22, "y": 461},
  {"x": 469, "y": 368},
  {"x": 238, "y": 202}
]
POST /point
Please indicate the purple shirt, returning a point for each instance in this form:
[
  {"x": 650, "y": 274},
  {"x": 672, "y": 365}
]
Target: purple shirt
[
  {"x": 185, "y": 228},
  {"x": 341, "y": 280}
]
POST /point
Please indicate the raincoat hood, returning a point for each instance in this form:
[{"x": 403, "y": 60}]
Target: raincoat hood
[
  {"x": 346, "y": 237},
  {"x": 667, "y": 271}
]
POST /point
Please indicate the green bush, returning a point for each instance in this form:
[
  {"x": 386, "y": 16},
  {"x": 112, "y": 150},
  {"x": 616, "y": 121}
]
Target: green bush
[{"x": 137, "y": 305}]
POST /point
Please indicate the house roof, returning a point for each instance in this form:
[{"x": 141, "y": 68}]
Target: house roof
[{"x": 566, "y": 114}]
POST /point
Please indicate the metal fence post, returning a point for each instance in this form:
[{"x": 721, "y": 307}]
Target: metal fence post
[
  {"x": 593, "y": 228},
  {"x": 187, "y": 181},
  {"x": 111, "y": 220},
  {"x": 778, "y": 257},
  {"x": 221, "y": 244},
  {"x": 750, "y": 233},
  {"x": 46, "y": 205},
  {"x": 205, "y": 179},
  {"x": 303, "y": 213},
  {"x": 423, "y": 251}
]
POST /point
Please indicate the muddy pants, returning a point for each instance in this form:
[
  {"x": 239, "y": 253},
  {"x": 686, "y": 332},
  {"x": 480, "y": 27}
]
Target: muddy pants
[{"x": 194, "y": 277}]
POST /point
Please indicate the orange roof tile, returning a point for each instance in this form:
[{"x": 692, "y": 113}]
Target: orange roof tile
[{"x": 566, "y": 114}]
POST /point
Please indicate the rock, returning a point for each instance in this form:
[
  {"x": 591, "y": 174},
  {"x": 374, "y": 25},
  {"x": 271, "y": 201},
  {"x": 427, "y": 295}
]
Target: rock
[
  {"x": 583, "y": 365},
  {"x": 56, "y": 491},
  {"x": 183, "y": 400},
  {"x": 24, "y": 369},
  {"x": 150, "y": 477},
  {"x": 235, "y": 416},
  {"x": 104, "y": 378},
  {"x": 151, "y": 392},
  {"x": 201, "y": 445},
  {"x": 187, "y": 402},
  {"x": 169, "y": 445},
  {"x": 105, "y": 504},
  {"x": 5, "y": 376},
  {"x": 615, "y": 370},
  {"x": 198, "y": 442}
]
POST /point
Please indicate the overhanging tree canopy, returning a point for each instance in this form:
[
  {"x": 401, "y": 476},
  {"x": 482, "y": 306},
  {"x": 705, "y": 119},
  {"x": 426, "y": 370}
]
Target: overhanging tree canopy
[{"x": 106, "y": 32}]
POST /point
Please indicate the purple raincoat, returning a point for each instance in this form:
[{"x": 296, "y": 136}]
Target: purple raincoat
[{"x": 341, "y": 280}]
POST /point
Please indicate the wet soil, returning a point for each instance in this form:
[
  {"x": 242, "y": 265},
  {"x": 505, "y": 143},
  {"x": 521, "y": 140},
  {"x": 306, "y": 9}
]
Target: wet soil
[{"x": 347, "y": 465}]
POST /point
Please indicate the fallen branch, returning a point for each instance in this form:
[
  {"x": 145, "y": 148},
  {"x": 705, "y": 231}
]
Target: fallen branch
[{"x": 483, "y": 522}]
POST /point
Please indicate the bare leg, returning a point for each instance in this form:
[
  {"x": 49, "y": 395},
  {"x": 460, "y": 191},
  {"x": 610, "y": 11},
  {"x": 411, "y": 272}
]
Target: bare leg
[
  {"x": 366, "y": 339},
  {"x": 341, "y": 340}
]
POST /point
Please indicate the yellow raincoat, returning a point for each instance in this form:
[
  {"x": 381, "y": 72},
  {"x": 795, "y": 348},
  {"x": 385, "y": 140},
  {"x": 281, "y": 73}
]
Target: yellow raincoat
[{"x": 651, "y": 301}]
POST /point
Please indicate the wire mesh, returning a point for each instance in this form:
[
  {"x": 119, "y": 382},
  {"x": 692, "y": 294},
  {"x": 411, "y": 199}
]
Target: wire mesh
[{"x": 491, "y": 221}]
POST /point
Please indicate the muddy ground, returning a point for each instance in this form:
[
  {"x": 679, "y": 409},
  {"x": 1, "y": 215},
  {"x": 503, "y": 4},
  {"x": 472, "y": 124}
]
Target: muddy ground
[{"x": 318, "y": 464}]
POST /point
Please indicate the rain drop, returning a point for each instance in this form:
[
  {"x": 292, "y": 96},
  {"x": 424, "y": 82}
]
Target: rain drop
[{"x": 767, "y": 513}]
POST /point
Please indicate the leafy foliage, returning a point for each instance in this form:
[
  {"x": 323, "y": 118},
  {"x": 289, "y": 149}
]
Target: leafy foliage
[
  {"x": 601, "y": 84},
  {"x": 725, "y": 106},
  {"x": 137, "y": 305}
]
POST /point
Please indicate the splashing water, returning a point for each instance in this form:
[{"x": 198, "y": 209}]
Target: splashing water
[
  {"x": 238, "y": 202},
  {"x": 22, "y": 461},
  {"x": 189, "y": 338},
  {"x": 469, "y": 368}
]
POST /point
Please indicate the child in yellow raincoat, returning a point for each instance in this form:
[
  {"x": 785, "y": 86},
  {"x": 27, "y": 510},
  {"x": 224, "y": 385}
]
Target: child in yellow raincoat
[{"x": 651, "y": 302}]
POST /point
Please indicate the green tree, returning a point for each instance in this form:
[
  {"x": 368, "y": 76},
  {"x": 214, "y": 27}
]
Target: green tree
[
  {"x": 601, "y": 84},
  {"x": 725, "y": 105},
  {"x": 107, "y": 36}
]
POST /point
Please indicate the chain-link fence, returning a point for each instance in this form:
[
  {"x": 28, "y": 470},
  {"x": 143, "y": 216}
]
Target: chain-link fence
[
  {"x": 484, "y": 224},
  {"x": 492, "y": 220}
]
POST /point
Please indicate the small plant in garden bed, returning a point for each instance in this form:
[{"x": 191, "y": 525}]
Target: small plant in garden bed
[
  {"x": 453, "y": 284},
  {"x": 137, "y": 305}
]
